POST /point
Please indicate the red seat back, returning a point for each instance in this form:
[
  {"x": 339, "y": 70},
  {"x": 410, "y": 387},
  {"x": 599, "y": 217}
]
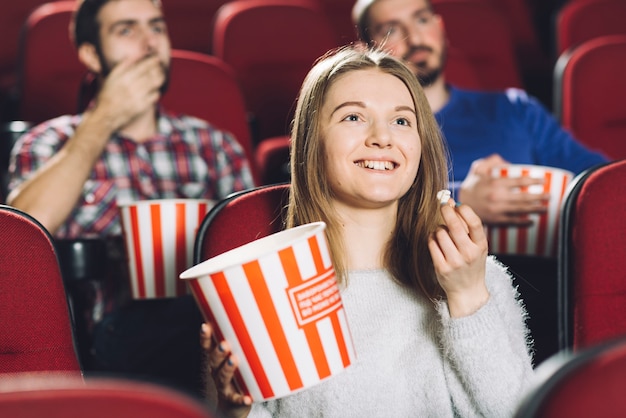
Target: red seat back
[
  {"x": 272, "y": 156},
  {"x": 13, "y": 14},
  {"x": 482, "y": 34},
  {"x": 50, "y": 73},
  {"x": 34, "y": 396},
  {"x": 189, "y": 23},
  {"x": 206, "y": 87},
  {"x": 592, "y": 266},
  {"x": 52, "y": 81},
  {"x": 581, "y": 20},
  {"x": 460, "y": 71},
  {"x": 271, "y": 45},
  {"x": 589, "y": 92},
  {"x": 531, "y": 55},
  {"x": 589, "y": 383},
  {"x": 36, "y": 332},
  {"x": 241, "y": 218},
  {"x": 339, "y": 13}
]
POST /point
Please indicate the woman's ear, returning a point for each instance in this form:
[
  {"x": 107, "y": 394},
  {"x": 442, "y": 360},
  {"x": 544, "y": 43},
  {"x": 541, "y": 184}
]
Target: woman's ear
[{"x": 89, "y": 57}]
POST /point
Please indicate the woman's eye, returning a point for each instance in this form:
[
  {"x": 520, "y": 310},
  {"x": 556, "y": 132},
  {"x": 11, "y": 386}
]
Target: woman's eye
[
  {"x": 351, "y": 118},
  {"x": 403, "y": 121}
]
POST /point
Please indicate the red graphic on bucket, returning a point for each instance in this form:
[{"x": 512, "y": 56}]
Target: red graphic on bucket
[
  {"x": 280, "y": 311},
  {"x": 159, "y": 237},
  {"x": 540, "y": 239},
  {"x": 315, "y": 298}
]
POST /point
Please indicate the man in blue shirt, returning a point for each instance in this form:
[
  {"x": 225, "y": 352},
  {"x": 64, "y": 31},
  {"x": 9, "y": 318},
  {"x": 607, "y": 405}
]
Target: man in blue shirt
[{"x": 483, "y": 129}]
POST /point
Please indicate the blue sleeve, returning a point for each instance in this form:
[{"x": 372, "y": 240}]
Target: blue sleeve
[{"x": 553, "y": 145}]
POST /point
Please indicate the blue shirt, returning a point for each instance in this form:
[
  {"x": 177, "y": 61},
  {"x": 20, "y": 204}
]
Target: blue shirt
[{"x": 512, "y": 124}]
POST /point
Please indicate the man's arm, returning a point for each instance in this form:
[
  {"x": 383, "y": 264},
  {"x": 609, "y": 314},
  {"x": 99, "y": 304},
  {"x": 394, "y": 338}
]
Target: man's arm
[{"x": 132, "y": 89}]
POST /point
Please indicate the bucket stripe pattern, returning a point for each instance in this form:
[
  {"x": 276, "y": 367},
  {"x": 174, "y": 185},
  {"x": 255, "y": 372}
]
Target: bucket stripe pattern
[
  {"x": 160, "y": 237},
  {"x": 540, "y": 239},
  {"x": 299, "y": 327}
]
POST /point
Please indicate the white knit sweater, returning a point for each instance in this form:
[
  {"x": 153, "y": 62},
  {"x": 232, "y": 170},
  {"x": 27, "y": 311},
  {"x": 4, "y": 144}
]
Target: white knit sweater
[{"x": 413, "y": 360}]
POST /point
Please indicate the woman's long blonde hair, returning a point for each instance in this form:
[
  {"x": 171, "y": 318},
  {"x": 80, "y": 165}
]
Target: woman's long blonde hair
[{"x": 407, "y": 256}]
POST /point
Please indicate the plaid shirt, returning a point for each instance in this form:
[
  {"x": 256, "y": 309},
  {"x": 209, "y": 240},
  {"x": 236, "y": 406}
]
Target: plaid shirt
[{"x": 187, "y": 159}]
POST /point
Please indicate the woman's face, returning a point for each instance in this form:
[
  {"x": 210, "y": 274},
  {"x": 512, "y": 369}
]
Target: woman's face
[{"x": 369, "y": 132}]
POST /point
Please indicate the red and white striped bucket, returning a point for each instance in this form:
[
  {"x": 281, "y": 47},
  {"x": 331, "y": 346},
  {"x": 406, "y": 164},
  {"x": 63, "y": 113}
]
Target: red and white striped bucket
[
  {"x": 277, "y": 303},
  {"x": 540, "y": 239},
  {"x": 159, "y": 237}
]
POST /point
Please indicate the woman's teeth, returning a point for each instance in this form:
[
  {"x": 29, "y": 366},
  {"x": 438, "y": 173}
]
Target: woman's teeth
[{"x": 376, "y": 165}]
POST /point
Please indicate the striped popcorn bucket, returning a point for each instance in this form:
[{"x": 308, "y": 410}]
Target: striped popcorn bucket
[
  {"x": 277, "y": 303},
  {"x": 159, "y": 236},
  {"x": 541, "y": 238}
]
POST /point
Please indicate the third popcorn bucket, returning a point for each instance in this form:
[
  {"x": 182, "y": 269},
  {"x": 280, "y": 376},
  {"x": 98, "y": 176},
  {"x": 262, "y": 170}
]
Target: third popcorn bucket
[
  {"x": 541, "y": 238},
  {"x": 277, "y": 302}
]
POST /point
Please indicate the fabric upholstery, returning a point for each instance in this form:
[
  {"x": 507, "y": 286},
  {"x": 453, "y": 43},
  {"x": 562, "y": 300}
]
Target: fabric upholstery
[
  {"x": 49, "y": 70},
  {"x": 205, "y": 87},
  {"x": 589, "y": 383},
  {"x": 36, "y": 331},
  {"x": 592, "y": 270},
  {"x": 581, "y": 20},
  {"x": 483, "y": 35},
  {"x": 240, "y": 219},
  {"x": 589, "y": 91},
  {"x": 271, "y": 45},
  {"x": 33, "y": 396}
]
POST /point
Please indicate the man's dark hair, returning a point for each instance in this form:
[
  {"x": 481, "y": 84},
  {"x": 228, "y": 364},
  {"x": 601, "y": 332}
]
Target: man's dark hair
[
  {"x": 85, "y": 25},
  {"x": 86, "y": 28}
]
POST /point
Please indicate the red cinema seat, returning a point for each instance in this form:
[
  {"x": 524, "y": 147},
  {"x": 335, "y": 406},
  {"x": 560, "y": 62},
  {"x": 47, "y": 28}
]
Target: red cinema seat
[
  {"x": 589, "y": 383},
  {"x": 589, "y": 88},
  {"x": 581, "y": 20},
  {"x": 36, "y": 329},
  {"x": 482, "y": 34},
  {"x": 592, "y": 265},
  {"x": 271, "y": 45},
  {"x": 34, "y": 396},
  {"x": 50, "y": 73},
  {"x": 241, "y": 218}
]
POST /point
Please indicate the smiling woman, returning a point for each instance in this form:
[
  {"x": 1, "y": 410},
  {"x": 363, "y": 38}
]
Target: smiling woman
[
  {"x": 436, "y": 324},
  {"x": 372, "y": 144}
]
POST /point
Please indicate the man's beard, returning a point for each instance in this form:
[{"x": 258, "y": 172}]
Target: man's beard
[
  {"x": 425, "y": 75},
  {"x": 106, "y": 70}
]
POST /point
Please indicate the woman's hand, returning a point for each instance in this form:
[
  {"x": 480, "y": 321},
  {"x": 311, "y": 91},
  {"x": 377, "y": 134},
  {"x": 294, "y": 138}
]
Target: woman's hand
[
  {"x": 221, "y": 365},
  {"x": 459, "y": 252}
]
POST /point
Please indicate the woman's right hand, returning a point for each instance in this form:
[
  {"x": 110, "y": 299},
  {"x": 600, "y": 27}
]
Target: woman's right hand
[{"x": 221, "y": 366}]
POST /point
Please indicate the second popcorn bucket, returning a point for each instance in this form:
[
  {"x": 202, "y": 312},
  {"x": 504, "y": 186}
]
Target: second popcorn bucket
[
  {"x": 159, "y": 238},
  {"x": 277, "y": 302}
]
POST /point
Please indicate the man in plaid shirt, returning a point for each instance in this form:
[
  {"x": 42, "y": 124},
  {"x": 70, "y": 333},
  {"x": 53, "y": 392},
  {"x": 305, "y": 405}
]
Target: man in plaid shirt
[{"x": 71, "y": 172}]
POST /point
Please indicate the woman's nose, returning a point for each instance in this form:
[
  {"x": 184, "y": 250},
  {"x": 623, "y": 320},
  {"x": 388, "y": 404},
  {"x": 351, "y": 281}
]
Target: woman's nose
[{"x": 379, "y": 135}]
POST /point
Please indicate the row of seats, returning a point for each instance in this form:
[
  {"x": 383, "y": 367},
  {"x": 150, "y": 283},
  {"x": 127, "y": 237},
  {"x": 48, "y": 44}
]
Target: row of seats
[
  {"x": 481, "y": 56},
  {"x": 36, "y": 328},
  {"x": 257, "y": 90},
  {"x": 188, "y": 21},
  {"x": 493, "y": 22}
]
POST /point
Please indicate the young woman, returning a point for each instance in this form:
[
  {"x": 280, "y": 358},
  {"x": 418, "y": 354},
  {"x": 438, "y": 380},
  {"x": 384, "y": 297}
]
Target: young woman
[{"x": 437, "y": 326}]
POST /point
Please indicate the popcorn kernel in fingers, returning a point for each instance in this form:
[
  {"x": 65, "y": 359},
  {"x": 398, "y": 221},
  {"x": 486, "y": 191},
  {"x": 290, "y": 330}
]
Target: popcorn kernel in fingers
[{"x": 443, "y": 196}]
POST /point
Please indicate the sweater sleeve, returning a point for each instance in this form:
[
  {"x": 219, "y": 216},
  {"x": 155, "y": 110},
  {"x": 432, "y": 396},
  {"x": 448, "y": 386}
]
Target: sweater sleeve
[
  {"x": 487, "y": 357},
  {"x": 260, "y": 410}
]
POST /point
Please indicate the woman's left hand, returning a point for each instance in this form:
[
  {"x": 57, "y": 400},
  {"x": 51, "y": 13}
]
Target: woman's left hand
[{"x": 459, "y": 252}]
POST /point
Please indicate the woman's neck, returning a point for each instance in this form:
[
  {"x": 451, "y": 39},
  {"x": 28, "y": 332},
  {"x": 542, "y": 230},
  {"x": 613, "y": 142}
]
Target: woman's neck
[{"x": 366, "y": 234}]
